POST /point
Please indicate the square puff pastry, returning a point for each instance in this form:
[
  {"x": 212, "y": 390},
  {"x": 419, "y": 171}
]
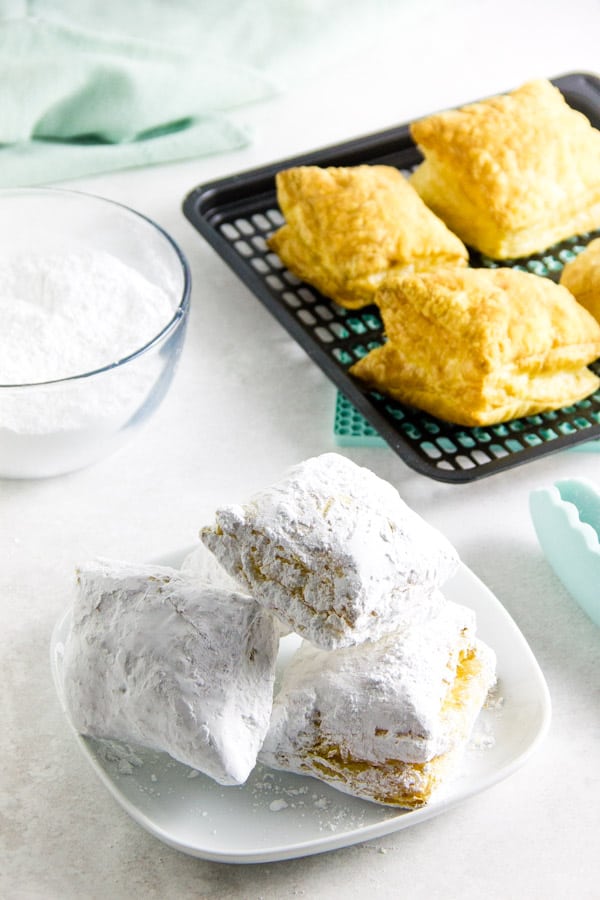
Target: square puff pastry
[
  {"x": 334, "y": 552},
  {"x": 480, "y": 346},
  {"x": 158, "y": 659},
  {"x": 346, "y": 228},
  {"x": 385, "y": 721},
  {"x": 513, "y": 174},
  {"x": 581, "y": 276}
]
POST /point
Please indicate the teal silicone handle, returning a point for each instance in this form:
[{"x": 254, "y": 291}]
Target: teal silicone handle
[{"x": 566, "y": 518}]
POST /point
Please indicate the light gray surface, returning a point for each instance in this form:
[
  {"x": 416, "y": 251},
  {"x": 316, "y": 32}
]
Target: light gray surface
[{"x": 246, "y": 403}]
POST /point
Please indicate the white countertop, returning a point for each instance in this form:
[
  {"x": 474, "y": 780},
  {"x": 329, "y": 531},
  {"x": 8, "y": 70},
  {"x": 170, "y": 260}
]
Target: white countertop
[{"x": 245, "y": 404}]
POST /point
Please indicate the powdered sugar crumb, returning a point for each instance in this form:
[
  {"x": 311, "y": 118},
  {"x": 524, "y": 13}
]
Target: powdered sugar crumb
[
  {"x": 483, "y": 736},
  {"x": 481, "y": 740},
  {"x": 494, "y": 700},
  {"x": 120, "y": 755}
]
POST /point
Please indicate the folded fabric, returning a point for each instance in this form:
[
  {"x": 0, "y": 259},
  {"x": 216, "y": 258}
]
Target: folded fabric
[
  {"x": 113, "y": 88},
  {"x": 40, "y": 162},
  {"x": 74, "y": 103},
  {"x": 90, "y": 87}
]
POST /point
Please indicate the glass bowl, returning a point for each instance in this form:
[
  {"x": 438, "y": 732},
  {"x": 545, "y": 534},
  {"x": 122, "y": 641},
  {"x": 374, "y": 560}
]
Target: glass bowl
[{"x": 54, "y": 426}]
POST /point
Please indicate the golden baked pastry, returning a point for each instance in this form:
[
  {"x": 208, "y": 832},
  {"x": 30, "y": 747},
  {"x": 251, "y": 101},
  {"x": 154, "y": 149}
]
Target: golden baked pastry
[
  {"x": 581, "y": 276},
  {"x": 513, "y": 174},
  {"x": 346, "y": 228},
  {"x": 480, "y": 346}
]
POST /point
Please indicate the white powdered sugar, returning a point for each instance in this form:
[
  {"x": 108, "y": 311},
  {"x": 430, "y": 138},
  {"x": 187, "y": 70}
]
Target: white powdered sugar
[
  {"x": 67, "y": 314},
  {"x": 334, "y": 552}
]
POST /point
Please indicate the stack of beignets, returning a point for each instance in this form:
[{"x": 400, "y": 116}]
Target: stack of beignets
[
  {"x": 183, "y": 662},
  {"x": 347, "y": 228},
  {"x": 381, "y": 698}
]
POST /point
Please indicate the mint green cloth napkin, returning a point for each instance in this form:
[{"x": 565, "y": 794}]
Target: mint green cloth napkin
[
  {"x": 88, "y": 87},
  {"x": 74, "y": 102}
]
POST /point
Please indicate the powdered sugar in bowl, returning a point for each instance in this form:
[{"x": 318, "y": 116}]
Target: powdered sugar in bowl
[{"x": 94, "y": 299}]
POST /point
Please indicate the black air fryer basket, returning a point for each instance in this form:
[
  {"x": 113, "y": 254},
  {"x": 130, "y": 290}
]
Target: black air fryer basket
[{"x": 236, "y": 214}]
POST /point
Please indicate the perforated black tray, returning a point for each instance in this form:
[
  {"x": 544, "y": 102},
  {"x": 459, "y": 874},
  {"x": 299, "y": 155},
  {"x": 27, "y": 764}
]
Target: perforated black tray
[{"x": 236, "y": 214}]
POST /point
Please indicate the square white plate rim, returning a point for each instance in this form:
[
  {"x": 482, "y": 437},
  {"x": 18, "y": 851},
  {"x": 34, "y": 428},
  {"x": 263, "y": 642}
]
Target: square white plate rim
[{"x": 515, "y": 729}]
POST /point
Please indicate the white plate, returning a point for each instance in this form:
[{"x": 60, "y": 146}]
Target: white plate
[{"x": 278, "y": 816}]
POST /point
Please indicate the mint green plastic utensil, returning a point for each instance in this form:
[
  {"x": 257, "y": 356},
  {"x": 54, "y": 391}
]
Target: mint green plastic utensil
[{"x": 566, "y": 517}]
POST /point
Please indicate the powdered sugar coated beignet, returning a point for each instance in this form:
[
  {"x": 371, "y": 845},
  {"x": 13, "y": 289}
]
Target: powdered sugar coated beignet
[
  {"x": 334, "y": 552},
  {"x": 157, "y": 660},
  {"x": 387, "y": 720}
]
